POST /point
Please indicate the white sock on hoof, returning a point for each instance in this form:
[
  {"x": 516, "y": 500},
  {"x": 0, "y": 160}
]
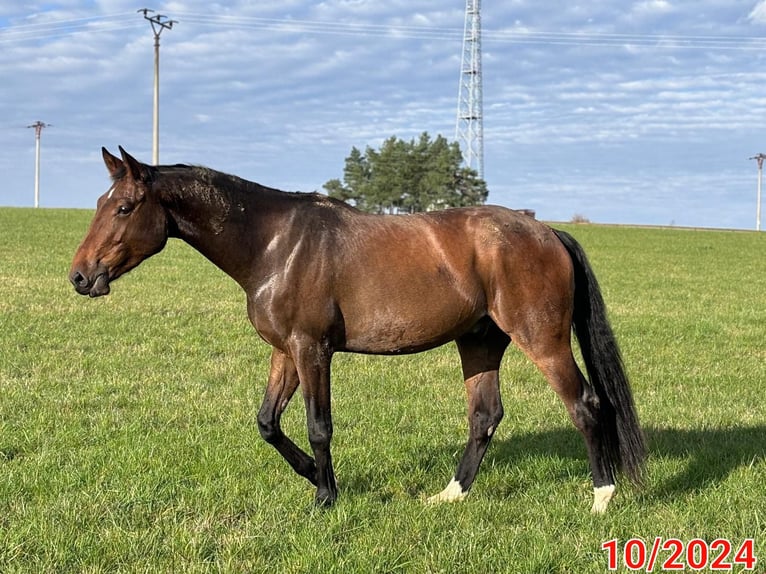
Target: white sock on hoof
[
  {"x": 453, "y": 493},
  {"x": 601, "y": 497}
]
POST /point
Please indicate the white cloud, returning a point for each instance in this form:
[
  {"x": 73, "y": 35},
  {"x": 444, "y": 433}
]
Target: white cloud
[
  {"x": 758, "y": 13},
  {"x": 652, "y": 7}
]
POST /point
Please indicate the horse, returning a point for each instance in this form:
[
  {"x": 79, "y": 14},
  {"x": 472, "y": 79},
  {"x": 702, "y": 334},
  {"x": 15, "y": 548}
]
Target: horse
[{"x": 322, "y": 277}]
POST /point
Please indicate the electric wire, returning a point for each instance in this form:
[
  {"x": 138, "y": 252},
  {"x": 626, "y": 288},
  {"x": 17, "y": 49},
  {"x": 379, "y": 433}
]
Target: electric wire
[{"x": 122, "y": 21}]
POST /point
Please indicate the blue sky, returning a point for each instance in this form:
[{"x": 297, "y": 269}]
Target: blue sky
[{"x": 620, "y": 111}]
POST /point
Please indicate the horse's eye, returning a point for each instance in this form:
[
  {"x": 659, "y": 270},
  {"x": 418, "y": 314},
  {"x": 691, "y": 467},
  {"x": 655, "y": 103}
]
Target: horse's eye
[{"x": 124, "y": 209}]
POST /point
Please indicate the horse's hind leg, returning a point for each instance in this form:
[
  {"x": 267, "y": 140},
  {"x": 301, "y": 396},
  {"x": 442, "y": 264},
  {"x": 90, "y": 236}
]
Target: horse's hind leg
[
  {"x": 283, "y": 381},
  {"x": 480, "y": 354},
  {"x": 556, "y": 362}
]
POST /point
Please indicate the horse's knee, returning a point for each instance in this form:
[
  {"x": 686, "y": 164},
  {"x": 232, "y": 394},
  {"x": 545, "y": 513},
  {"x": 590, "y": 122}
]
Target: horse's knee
[
  {"x": 484, "y": 422},
  {"x": 268, "y": 427}
]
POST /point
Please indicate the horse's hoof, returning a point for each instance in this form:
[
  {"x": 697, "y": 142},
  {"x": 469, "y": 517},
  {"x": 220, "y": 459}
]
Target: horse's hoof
[
  {"x": 601, "y": 497},
  {"x": 453, "y": 493},
  {"x": 325, "y": 499}
]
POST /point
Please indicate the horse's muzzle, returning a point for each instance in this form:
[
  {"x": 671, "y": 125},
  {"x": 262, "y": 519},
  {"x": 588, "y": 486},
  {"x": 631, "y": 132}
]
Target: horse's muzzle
[{"x": 94, "y": 288}]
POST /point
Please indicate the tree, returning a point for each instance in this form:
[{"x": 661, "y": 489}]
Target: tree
[{"x": 408, "y": 177}]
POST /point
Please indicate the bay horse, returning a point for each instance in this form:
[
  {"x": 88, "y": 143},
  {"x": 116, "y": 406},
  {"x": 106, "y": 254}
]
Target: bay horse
[{"x": 322, "y": 277}]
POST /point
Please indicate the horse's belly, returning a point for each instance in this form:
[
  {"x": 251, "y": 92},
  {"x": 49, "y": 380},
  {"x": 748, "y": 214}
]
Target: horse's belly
[{"x": 399, "y": 325}]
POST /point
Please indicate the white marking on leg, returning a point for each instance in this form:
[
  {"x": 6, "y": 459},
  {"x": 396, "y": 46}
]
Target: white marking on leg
[
  {"x": 601, "y": 497},
  {"x": 453, "y": 493}
]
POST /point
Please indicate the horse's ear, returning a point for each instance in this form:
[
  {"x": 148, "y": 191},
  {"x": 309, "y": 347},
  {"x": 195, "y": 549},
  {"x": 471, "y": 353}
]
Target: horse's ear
[
  {"x": 113, "y": 163},
  {"x": 135, "y": 169}
]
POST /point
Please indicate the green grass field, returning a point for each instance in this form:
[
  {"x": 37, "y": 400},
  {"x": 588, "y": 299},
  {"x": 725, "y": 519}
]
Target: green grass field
[{"x": 128, "y": 440}]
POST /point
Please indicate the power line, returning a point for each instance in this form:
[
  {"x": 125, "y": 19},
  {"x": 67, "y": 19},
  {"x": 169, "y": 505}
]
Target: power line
[
  {"x": 67, "y": 27},
  {"x": 517, "y": 36},
  {"x": 26, "y": 32},
  {"x": 511, "y": 35}
]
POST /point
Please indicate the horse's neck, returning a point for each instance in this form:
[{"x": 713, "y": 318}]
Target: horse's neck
[{"x": 229, "y": 227}]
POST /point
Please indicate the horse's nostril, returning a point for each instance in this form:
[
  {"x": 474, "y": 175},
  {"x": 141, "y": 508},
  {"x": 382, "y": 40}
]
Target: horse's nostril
[{"x": 78, "y": 279}]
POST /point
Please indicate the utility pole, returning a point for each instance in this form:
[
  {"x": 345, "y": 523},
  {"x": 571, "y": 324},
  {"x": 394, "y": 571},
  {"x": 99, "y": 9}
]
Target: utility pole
[
  {"x": 759, "y": 158},
  {"x": 38, "y": 125},
  {"x": 469, "y": 131},
  {"x": 159, "y": 23}
]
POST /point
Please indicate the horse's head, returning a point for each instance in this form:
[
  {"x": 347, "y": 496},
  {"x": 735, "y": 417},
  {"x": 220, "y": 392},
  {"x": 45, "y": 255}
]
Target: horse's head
[{"x": 130, "y": 225}]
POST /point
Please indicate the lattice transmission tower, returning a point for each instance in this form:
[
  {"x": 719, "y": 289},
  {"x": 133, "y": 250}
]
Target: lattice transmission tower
[{"x": 469, "y": 131}]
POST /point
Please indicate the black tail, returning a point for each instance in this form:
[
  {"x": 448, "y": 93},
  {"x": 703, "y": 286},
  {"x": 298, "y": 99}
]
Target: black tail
[{"x": 622, "y": 440}]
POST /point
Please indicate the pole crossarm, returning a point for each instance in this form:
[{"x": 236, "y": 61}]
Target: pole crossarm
[
  {"x": 159, "y": 22},
  {"x": 38, "y": 125}
]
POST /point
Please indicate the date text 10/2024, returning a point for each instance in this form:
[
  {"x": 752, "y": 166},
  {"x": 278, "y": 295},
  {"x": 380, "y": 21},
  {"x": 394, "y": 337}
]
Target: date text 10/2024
[{"x": 673, "y": 554}]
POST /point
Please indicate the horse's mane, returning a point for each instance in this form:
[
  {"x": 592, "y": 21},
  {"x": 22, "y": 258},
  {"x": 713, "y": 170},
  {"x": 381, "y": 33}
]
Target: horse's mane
[{"x": 223, "y": 189}]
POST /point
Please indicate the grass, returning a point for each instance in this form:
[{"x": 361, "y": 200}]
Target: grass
[{"x": 128, "y": 440}]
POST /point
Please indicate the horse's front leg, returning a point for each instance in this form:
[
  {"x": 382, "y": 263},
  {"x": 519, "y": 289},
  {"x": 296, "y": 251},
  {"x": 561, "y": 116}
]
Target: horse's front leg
[
  {"x": 283, "y": 380},
  {"x": 312, "y": 361},
  {"x": 480, "y": 355}
]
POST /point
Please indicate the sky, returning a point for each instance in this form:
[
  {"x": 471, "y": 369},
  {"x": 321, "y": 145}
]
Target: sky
[{"x": 616, "y": 111}]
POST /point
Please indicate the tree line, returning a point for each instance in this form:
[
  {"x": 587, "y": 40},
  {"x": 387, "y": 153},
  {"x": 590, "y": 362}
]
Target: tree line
[{"x": 408, "y": 177}]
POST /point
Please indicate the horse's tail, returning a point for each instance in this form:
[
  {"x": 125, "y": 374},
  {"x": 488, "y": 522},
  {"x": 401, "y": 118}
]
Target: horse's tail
[{"x": 621, "y": 437}]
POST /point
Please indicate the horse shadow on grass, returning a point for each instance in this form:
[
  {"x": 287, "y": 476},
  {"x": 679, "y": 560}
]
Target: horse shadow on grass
[
  {"x": 706, "y": 456},
  {"x": 699, "y": 458}
]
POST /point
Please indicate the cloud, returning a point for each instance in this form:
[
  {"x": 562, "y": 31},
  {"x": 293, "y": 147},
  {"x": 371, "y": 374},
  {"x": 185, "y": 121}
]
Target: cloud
[
  {"x": 758, "y": 13},
  {"x": 652, "y": 7}
]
